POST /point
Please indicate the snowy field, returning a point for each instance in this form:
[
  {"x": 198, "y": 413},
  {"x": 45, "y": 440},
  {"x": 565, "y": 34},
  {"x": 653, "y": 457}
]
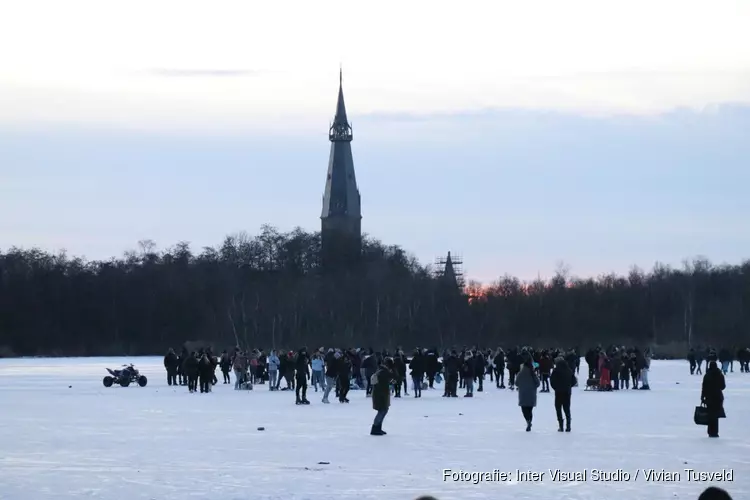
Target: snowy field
[{"x": 64, "y": 436}]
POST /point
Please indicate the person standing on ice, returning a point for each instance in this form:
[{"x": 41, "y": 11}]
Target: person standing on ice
[
  {"x": 273, "y": 370},
  {"x": 370, "y": 366},
  {"x": 381, "y": 395},
  {"x": 545, "y": 367},
  {"x": 317, "y": 372},
  {"x": 645, "y": 370},
  {"x": 417, "y": 365},
  {"x": 468, "y": 371},
  {"x": 184, "y": 355},
  {"x": 205, "y": 373},
  {"x": 499, "y": 362},
  {"x": 699, "y": 355},
  {"x": 344, "y": 372},
  {"x": 239, "y": 363},
  {"x": 712, "y": 395},
  {"x": 331, "y": 371},
  {"x": 452, "y": 365},
  {"x": 170, "y": 364},
  {"x": 562, "y": 381},
  {"x": 480, "y": 367},
  {"x": 527, "y": 384},
  {"x": 725, "y": 358},
  {"x": 191, "y": 371},
  {"x": 225, "y": 363},
  {"x": 302, "y": 368}
]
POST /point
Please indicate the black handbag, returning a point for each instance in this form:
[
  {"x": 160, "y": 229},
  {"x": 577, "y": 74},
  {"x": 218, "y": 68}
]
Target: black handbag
[{"x": 700, "y": 417}]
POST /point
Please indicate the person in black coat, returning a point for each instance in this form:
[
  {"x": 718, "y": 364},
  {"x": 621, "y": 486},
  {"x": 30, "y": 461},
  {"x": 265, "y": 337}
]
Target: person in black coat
[
  {"x": 344, "y": 371},
  {"x": 432, "y": 367},
  {"x": 452, "y": 367},
  {"x": 190, "y": 367},
  {"x": 381, "y": 395},
  {"x": 171, "y": 363},
  {"x": 712, "y": 396},
  {"x": 417, "y": 365},
  {"x": 399, "y": 369},
  {"x": 205, "y": 373},
  {"x": 302, "y": 370},
  {"x": 480, "y": 366},
  {"x": 225, "y": 363},
  {"x": 181, "y": 374},
  {"x": 331, "y": 364},
  {"x": 562, "y": 382},
  {"x": 499, "y": 362},
  {"x": 468, "y": 372}
]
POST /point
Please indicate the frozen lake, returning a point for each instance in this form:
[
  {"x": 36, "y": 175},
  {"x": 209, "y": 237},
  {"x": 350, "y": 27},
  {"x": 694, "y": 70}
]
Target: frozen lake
[{"x": 64, "y": 436}]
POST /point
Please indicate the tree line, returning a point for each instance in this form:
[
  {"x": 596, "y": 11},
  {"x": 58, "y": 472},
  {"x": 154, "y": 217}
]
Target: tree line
[{"x": 270, "y": 291}]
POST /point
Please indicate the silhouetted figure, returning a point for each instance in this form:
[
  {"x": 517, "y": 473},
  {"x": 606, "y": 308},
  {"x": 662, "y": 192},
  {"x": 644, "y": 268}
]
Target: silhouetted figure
[
  {"x": 381, "y": 395},
  {"x": 527, "y": 383},
  {"x": 712, "y": 396},
  {"x": 562, "y": 381}
]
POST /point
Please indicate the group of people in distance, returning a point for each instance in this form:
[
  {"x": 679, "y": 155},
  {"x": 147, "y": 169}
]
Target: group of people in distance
[{"x": 383, "y": 375}]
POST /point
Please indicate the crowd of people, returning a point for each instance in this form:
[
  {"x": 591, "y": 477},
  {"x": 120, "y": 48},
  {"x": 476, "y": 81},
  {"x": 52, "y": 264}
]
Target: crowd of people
[
  {"x": 726, "y": 357},
  {"x": 383, "y": 374}
]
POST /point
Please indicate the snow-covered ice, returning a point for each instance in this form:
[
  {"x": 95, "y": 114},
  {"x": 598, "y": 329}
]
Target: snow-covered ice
[{"x": 63, "y": 436}]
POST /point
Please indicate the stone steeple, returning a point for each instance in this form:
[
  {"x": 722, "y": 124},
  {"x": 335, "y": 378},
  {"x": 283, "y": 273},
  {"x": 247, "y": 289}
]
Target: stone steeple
[{"x": 341, "y": 218}]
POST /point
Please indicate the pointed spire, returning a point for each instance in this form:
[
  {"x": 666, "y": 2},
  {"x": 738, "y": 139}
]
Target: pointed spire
[
  {"x": 341, "y": 129},
  {"x": 450, "y": 272}
]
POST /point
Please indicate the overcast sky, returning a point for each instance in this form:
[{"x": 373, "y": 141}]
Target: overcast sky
[{"x": 516, "y": 134}]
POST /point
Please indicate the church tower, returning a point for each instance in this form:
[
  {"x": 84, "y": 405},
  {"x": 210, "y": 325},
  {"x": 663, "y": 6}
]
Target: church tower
[{"x": 341, "y": 220}]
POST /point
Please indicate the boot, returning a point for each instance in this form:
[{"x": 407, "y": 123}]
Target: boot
[
  {"x": 377, "y": 430},
  {"x": 528, "y": 426},
  {"x": 567, "y": 426},
  {"x": 560, "y": 426}
]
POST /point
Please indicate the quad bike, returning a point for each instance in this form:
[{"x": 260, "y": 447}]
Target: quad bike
[{"x": 124, "y": 377}]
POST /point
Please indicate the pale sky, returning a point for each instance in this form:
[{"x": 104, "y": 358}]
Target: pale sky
[{"x": 121, "y": 120}]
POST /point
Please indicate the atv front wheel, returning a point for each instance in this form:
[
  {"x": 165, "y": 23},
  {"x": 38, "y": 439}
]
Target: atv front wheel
[
  {"x": 108, "y": 381},
  {"x": 125, "y": 382},
  {"x": 142, "y": 381}
]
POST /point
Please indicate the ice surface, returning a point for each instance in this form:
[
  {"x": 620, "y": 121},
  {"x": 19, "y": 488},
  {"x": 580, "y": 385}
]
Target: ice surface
[{"x": 63, "y": 436}]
